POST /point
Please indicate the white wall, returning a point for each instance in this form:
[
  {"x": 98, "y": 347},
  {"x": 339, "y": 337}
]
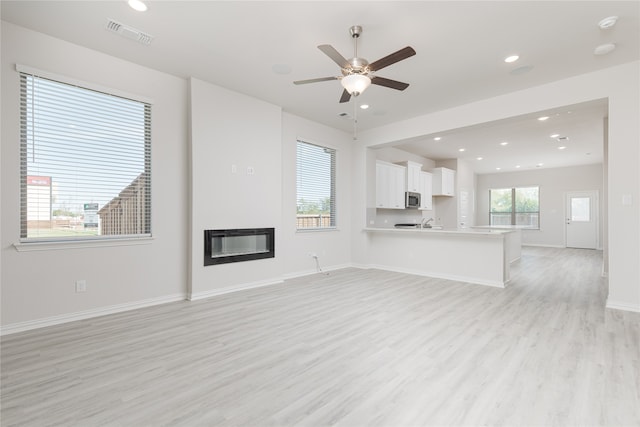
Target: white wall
[
  {"x": 466, "y": 189},
  {"x": 445, "y": 207},
  {"x": 396, "y": 155},
  {"x": 227, "y": 129},
  {"x": 193, "y": 190},
  {"x": 554, "y": 184},
  {"x": 333, "y": 248},
  {"x": 621, "y": 86},
  {"x": 41, "y": 284}
]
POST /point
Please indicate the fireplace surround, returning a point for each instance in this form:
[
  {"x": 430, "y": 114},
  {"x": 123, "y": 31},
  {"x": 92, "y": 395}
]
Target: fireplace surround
[{"x": 237, "y": 245}]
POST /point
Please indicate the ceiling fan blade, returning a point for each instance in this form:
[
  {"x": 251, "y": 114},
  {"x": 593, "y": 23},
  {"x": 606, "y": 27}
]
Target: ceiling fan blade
[
  {"x": 393, "y": 84},
  {"x": 346, "y": 96},
  {"x": 334, "y": 54},
  {"x": 321, "y": 79},
  {"x": 392, "y": 59}
]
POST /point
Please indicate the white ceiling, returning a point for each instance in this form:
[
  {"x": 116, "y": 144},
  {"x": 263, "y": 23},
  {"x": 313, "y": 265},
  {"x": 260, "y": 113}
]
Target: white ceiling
[
  {"x": 530, "y": 143},
  {"x": 460, "y": 50}
]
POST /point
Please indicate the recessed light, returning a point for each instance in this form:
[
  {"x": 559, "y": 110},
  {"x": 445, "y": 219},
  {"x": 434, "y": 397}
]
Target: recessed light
[
  {"x": 517, "y": 166},
  {"x": 608, "y": 22},
  {"x": 498, "y": 169},
  {"x": 562, "y": 148},
  {"x": 478, "y": 158},
  {"x": 539, "y": 165},
  {"x": 461, "y": 149},
  {"x": 543, "y": 118},
  {"x": 603, "y": 49},
  {"x": 555, "y": 135},
  {"x": 137, "y": 5},
  {"x": 437, "y": 138},
  {"x": 364, "y": 106},
  {"x": 504, "y": 143},
  {"x": 510, "y": 59}
]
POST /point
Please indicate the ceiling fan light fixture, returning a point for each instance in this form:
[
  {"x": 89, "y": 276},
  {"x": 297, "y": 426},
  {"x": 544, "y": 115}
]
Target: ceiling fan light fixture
[
  {"x": 355, "y": 84},
  {"x": 137, "y": 5}
]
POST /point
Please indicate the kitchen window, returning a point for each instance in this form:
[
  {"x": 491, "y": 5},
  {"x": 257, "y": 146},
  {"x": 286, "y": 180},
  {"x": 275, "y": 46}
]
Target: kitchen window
[
  {"x": 315, "y": 187},
  {"x": 85, "y": 162},
  {"x": 515, "y": 206}
]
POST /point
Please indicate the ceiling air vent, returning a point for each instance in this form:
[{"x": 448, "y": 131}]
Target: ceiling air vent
[{"x": 129, "y": 32}]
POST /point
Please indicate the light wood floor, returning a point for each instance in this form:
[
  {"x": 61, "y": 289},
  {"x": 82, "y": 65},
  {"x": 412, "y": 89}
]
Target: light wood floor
[{"x": 357, "y": 347}]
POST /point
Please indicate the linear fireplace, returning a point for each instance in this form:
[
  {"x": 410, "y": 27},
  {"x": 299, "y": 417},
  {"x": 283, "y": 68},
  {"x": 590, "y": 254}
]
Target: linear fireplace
[{"x": 236, "y": 245}]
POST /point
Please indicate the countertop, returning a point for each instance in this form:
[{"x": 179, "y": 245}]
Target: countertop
[
  {"x": 488, "y": 232},
  {"x": 504, "y": 227}
]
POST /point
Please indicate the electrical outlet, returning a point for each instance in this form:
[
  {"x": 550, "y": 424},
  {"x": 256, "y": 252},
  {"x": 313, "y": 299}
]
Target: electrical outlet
[{"x": 81, "y": 286}]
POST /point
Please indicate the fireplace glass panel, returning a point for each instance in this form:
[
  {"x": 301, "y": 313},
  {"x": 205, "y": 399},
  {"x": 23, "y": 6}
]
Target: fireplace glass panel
[
  {"x": 238, "y": 245},
  {"x": 235, "y": 245}
]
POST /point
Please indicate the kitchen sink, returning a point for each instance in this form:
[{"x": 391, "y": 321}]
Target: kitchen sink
[{"x": 407, "y": 225}]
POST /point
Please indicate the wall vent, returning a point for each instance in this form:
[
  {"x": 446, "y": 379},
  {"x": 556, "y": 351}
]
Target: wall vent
[{"x": 129, "y": 32}]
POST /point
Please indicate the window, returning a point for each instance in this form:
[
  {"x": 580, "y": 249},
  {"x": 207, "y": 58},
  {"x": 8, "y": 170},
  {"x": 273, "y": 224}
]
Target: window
[
  {"x": 515, "y": 206},
  {"x": 315, "y": 185},
  {"x": 85, "y": 162}
]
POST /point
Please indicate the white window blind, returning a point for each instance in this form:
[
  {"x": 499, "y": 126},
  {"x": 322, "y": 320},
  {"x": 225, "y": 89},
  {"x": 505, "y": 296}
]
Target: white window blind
[
  {"x": 316, "y": 188},
  {"x": 85, "y": 162}
]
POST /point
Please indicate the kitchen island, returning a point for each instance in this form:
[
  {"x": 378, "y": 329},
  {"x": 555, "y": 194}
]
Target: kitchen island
[
  {"x": 515, "y": 238},
  {"x": 480, "y": 256}
]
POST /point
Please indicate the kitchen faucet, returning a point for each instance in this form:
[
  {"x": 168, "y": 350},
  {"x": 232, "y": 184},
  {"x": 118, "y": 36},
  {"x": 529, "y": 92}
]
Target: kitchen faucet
[{"x": 425, "y": 223}]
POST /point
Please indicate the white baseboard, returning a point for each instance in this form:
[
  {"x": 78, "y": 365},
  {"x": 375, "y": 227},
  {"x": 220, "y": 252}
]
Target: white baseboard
[
  {"x": 538, "y": 245},
  {"x": 616, "y": 305},
  {"x": 495, "y": 284},
  {"x": 102, "y": 311},
  {"x": 87, "y": 314},
  {"x": 360, "y": 266},
  {"x": 239, "y": 287},
  {"x": 259, "y": 284},
  {"x": 314, "y": 271}
]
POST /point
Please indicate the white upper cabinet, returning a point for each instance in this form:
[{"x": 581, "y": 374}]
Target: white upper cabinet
[
  {"x": 426, "y": 183},
  {"x": 390, "y": 185},
  {"x": 413, "y": 176},
  {"x": 444, "y": 182}
]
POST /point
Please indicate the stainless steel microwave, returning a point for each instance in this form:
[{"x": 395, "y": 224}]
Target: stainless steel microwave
[{"x": 411, "y": 200}]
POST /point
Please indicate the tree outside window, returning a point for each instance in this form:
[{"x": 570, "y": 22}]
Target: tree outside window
[{"x": 515, "y": 206}]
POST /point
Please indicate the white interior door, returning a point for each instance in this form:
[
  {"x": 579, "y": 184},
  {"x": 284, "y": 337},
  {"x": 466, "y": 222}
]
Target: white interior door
[{"x": 582, "y": 220}]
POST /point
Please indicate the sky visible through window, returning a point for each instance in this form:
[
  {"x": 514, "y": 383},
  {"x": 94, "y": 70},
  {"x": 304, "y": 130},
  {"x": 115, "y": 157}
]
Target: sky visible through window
[{"x": 91, "y": 144}]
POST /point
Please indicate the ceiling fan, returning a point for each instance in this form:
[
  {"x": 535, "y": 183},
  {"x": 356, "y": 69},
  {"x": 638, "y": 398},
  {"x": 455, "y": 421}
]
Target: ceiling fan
[{"x": 358, "y": 73}]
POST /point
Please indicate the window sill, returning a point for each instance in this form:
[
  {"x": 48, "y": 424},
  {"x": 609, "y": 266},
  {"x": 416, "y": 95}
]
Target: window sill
[
  {"x": 316, "y": 230},
  {"x": 80, "y": 244}
]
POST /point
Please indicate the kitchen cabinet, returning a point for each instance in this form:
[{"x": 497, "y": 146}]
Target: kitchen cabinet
[
  {"x": 390, "y": 185},
  {"x": 444, "y": 182},
  {"x": 426, "y": 183},
  {"x": 413, "y": 176}
]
